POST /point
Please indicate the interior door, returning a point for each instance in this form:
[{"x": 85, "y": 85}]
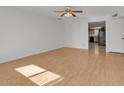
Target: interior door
[{"x": 117, "y": 35}]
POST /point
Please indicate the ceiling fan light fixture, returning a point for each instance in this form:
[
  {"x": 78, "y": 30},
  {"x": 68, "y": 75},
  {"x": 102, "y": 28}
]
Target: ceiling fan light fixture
[{"x": 68, "y": 14}]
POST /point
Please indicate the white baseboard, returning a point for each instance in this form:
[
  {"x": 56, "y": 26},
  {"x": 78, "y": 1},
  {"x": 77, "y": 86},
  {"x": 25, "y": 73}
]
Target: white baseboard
[{"x": 27, "y": 55}]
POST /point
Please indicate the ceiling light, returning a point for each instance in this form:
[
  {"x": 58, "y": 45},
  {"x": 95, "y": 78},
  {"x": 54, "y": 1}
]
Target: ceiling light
[{"x": 68, "y": 14}]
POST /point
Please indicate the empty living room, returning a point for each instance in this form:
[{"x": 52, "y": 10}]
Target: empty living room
[{"x": 61, "y": 45}]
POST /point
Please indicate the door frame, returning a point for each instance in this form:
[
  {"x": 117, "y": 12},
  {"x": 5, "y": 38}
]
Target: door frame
[{"x": 105, "y": 33}]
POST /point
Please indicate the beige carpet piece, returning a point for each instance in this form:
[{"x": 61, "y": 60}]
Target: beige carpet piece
[
  {"x": 30, "y": 70},
  {"x": 45, "y": 78}
]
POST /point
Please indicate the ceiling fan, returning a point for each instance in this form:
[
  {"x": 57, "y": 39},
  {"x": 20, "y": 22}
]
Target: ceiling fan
[{"x": 68, "y": 11}]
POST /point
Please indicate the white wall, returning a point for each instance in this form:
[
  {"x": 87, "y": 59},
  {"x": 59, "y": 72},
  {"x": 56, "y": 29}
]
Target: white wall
[
  {"x": 76, "y": 33},
  {"x": 23, "y": 34}
]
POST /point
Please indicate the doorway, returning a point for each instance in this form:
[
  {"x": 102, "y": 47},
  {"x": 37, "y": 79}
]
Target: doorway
[{"x": 97, "y": 36}]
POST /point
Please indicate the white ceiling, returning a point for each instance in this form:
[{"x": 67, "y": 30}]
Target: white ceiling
[{"x": 88, "y": 11}]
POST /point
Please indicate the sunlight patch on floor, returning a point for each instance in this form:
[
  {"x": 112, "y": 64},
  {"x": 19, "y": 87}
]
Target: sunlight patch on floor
[
  {"x": 30, "y": 70},
  {"x": 45, "y": 78},
  {"x": 39, "y": 75}
]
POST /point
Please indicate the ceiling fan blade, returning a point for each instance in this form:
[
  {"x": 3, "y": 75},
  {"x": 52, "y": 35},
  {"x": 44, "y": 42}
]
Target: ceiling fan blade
[
  {"x": 73, "y": 15},
  {"x": 63, "y": 14},
  {"x": 58, "y": 11},
  {"x": 77, "y": 11}
]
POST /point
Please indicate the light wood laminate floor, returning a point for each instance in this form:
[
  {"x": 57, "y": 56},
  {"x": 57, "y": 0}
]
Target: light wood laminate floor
[{"x": 77, "y": 66}]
